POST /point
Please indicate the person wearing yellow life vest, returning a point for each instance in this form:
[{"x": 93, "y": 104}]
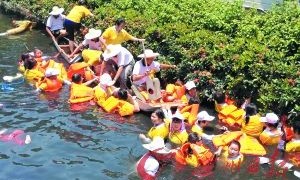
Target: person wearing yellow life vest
[
  {"x": 220, "y": 101},
  {"x": 252, "y": 125},
  {"x": 103, "y": 91},
  {"x": 177, "y": 134},
  {"x": 117, "y": 34},
  {"x": 271, "y": 135},
  {"x": 72, "y": 21},
  {"x": 80, "y": 92},
  {"x": 127, "y": 103},
  {"x": 51, "y": 83},
  {"x": 191, "y": 92},
  {"x": 194, "y": 153},
  {"x": 32, "y": 73},
  {"x": 294, "y": 144}
]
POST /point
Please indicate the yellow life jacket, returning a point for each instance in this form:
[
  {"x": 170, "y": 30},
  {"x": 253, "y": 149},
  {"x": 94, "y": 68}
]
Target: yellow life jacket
[
  {"x": 125, "y": 108},
  {"x": 161, "y": 130},
  {"x": 33, "y": 75},
  {"x": 293, "y": 146},
  {"x": 197, "y": 129},
  {"x": 251, "y": 146},
  {"x": 22, "y": 26},
  {"x": 80, "y": 93},
  {"x": 110, "y": 104},
  {"x": 269, "y": 138},
  {"x": 225, "y": 139},
  {"x": 230, "y": 114},
  {"x": 220, "y": 107},
  {"x": 233, "y": 163},
  {"x": 190, "y": 113},
  {"x": 178, "y": 138},
  {"x": 100, "y": 96},
  {"x": 254, "y": 126},
  {"x": 91, "y": 56}
]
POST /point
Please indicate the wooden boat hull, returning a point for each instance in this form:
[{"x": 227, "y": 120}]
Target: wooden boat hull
[
  {"x": 64, "y": 49},
  {"x": 150, "y": 107}
]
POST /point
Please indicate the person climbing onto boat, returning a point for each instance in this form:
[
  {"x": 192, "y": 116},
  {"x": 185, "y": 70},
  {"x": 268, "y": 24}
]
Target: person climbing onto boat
[
  {"x": 271, "y": 135},
  {"x": 72, "y": 21},
  {"x": 177, "y": 133},
  {"x": 191, "y": 92},
  {"x": 251, "y": 124},
  {"x": 55, "y": 23},
  {"x": 124, "y": 96},
  {"x": 94, "y": 44},
  {"x": 144, "y": 70},
  {"x": 194, "y": 153},
  {"x": 154, "y": 160},
  {"x": 159, "y": 128},
  {"x": 51, "y": 83},
  {"x": 123, "y": 59},
  {"x": 117, "y": 34}
]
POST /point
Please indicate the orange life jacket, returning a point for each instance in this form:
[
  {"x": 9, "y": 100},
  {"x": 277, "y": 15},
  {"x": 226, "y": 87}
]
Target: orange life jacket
[{"x": 53, "y": 85}]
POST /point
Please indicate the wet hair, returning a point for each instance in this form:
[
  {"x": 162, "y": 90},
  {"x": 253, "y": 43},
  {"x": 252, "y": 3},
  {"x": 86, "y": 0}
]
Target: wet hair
[
  {"x": 159, "y": 113},
  {"x": 193, "y": 138},
  {"x": 24, "y": 57},
  {"x": 81, "y": 2},
  {"x": 236, "y": 143},
  {"x": 30, "y": 63},
  {"x": 123, "y": 94},
  {"x": 272, "y": 125},
  {"x": 193, "y": 101},
  {"x": 173, "y": 109},
  {"x": 119, "y": 21},
  {"x": 76, "y": 78},
  {"x": 296, "y": 127},
  {"x": 251, "y": 110},
  {"x": 219, "y": 97}
]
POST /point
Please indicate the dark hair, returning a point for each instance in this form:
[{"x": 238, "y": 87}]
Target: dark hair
[
  {"x": 272, "y": 125},
  {"x": 193, "y": 101},
  {"x": 24, "y": 57},
  {"x": 193, "y": 137},
  {"x": 81, "y": 2},
  {"x": 251, "y": 110},
  {"x": 159, "y": 113},
  {"x": 219, "y": 97},
  {"x": 173, "y": 109},
  {"x": 30, "y": 63},
  {"x": 76, "y": 78},
  {"x": 236, "y": 143},
  {"x": 119, "y": 21},
  {"x": 296, "y": 127},
  {"x": 122, "y": 94}
]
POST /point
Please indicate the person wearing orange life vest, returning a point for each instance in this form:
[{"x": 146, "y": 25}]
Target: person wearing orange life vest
[
  {"x": 50, "y": 83},
  {"x": 252, "y": 125},
  {"x": 81, "y": 68},
  {"x": 271, "y": 135},
  {"x": 80, "y": 92},
  {"x": 177, "y": 133},
  {"x": 152, "y": 162}
]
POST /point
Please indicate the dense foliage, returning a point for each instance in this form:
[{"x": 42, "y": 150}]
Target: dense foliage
[{"x": 245, "y": 52}]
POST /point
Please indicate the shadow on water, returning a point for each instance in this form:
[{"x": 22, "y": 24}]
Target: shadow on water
[{"x": 72, "y": 144}]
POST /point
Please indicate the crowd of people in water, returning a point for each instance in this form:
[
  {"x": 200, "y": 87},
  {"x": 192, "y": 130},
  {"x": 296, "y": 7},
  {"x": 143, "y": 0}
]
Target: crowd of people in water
[{"x": 107, "y": 76}]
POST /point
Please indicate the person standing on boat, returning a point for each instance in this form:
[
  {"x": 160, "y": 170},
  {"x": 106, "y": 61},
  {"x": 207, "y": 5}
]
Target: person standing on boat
[
  {"x": 72, "y": 21},
  {"x": 94, "y": 44},
  {"x": 55, "y": 23},
  {"x": 117, "y": 34},
  {"x": 123, "y": 59}
]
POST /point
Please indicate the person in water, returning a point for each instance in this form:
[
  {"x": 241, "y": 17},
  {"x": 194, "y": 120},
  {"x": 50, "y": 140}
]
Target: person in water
[
  {"x": 51, "y": 83},
  {"x": 177, "y": 134},
  {"x": 203, "y": 119},
  {"x": 271, "y": 135},
  {"x": 251, "y": 124}
]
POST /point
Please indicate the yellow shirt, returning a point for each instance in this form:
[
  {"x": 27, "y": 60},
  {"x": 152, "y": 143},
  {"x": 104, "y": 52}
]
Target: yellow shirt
[
  {"x": 77, "y": 13},
  {"x": 161, "y": 130},
  {"x": 113, "y": 37}
]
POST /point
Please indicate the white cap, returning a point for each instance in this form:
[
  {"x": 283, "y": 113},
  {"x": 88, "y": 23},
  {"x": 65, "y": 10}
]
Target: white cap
[
  {"x": 270, "y": 118},
  {"x": 190, "y": 85},
  {"x": 178, "y": 115},
  {"x": 204, "y": 116},
  {"x": 157, "y": 145},
  {"x": 51, "y": 72}
]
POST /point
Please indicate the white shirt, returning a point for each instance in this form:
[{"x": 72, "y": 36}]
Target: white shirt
[
  {"x": 124, "y": 57},
  {"x": 140, "y": 69},
  {"x": 55, "y": 23},
  {"x": 92, "y": 44}
]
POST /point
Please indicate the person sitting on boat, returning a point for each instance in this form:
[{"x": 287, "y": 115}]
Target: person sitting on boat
[
  {"x": 32, "y": 73},
  {"x": 117, "y": 34},
  {"x": 55, "y": 23},
  {"x": 51, "y": 83},
  {"x": 191, "y": 92},
  {"x": 271, "y": 135},
  {"x": 152, "y": 162},
  {"x": 203, "y": 119},
  {"x": 94, "y": 44},
  {"x": 294, "y": 144},
  {"x": 177, "y": 134},
  {"x": 123, "y": 59},
  {"x": 80, "y": 92},
  {"x": 144, "y": 70},
  {"x": 194, "y": 152},
  {"x": 160, "y": 128},
  {"x": 251, "y": 125},
  {"x": 72, "y": 21}
]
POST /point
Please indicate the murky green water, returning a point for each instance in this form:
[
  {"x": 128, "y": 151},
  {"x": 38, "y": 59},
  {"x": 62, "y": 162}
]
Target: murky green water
[{"x": 72, "y": 145}]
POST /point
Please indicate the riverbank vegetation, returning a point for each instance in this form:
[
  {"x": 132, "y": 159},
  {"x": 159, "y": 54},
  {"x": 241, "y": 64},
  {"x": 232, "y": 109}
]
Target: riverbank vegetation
[{"x": 224, "y": 46}]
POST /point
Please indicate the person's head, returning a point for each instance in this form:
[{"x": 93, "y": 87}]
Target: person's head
[
  {"x": 173, "y": 109},
  {"x": 81, "y": 2},
  {"x": 234, "y": 149},
  {"x": 251, "y": 110},
  {"x": 76, "y": 78},
  {"x": 24, "y": 56},
  {"x": 271, "y": 120},
  {"x": 193, "y": 100},
  {"x": 157, "y": 117},
  {"x": 191, "y": 88},
  {"x": 123, "y": 94},
  {"x": 203, "y": 118},
  {"x": 37, "y": 53},
  {"x": 56, "y": 11},
  {"x": 30, "y": 63},
  {"x": 219, "y": 97},
  {"x": 149, "y": 55},
  {"x": 296, "y": 129},
  {"x": 194, "y": 138},
  {"x": 51, "y": 73},
  {"x": 177, "y": 122},
  {"x": 120, "y": 24}
]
